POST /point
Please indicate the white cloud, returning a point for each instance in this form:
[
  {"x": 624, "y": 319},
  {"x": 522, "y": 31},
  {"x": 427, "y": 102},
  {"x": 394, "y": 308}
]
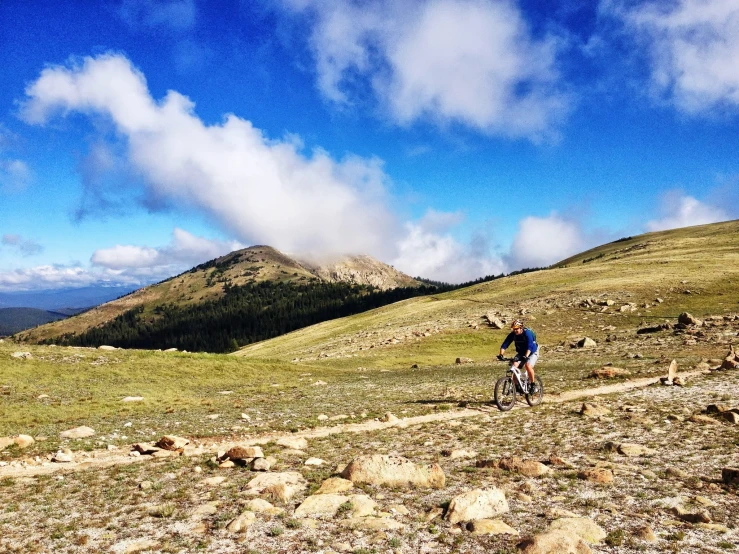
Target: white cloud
[
  {"x": 424, "y": 253},
  {"x": 262, "y": 190},
  {"x": 26, "y": 247},
  {"x": 15, "y": 176},
  {"x": 177, "y": 15},
  {"x": 542, "y": 241},
  {"x": 473, "y": 62},
  {"x": 679, "y": 210},
  {"x": 693, "y": 46},
  {"x": 185, "y": 251}
]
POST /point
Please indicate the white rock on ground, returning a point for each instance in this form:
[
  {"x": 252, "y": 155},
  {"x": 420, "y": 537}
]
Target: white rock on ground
[
  {"x": 296, "y": 443},
  {"x": 283, "y": 485},
  {"x": 476, "y": 504},
  {"x": 77, "y": 433},
  {"x": 393, "y": 471}
]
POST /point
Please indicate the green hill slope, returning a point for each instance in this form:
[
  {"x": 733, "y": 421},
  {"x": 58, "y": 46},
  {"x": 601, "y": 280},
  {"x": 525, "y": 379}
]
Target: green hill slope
[{"x": 609, "y": 290}]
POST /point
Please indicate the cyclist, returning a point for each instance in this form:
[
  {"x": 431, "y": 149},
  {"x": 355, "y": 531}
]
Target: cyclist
[{"x": 527, "y": 351}]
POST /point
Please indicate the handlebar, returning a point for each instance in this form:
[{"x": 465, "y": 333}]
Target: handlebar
[{"x": 504, "y": 359}]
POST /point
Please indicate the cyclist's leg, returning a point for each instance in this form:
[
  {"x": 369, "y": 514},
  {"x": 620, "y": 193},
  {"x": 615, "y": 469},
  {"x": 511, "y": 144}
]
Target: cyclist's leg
[{"x": 530, "y": 366}]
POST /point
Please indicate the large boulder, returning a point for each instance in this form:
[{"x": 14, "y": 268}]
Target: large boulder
[
  {"x": 393, "y": 471},
  {"x": 490, "y": 527},
  {"x": 476, "y": 504},
  {"x": 244, "y": 454},
  {"x": 327, "y": 505},
  {"x": 731, "y": 361},
  {"x": 24, "y": 441}
]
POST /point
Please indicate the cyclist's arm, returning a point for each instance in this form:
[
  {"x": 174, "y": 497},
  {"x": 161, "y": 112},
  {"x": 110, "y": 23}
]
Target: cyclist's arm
[{"x": 506, "y": 343}]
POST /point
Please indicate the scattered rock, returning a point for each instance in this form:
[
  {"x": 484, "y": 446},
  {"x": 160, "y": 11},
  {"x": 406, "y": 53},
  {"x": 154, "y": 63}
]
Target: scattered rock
[
  {"x": 77, "y": 433},
  {"x": 244, "y": 454},
  {"x": 687, "y": 319},
  {"x": 476, "y": 504},
  {"x": 282, "y": 486},
  {"x": 22, "y": 355},
  {"x": 23, "y": 441},
  {"x": 63, "y": 456},
  {"x": 555, "y": 542},
  {"x": 334, "y": 485},
  {"x": 585, "y": 528},
  {"x": 633, "y": 450},
  {"x": 680, "y": 381},
  {"x": 132, "y": 399},
  {"x": 646, "y": 534},
  {"x": 463, "y": 360},
  {"x": 593, "y": 410},
  {"x": 372, "y": 523},
  {"x": 490, "y": 527},
  {"x": 695, "y": 516},
  {"x": 242, "y": 522},
  {"x": 599, "y": 475},
  {"x": 296, "y": 443},
  {"x": 260, "y": 464},
  {"x": 389, "y": 418},
  {"x": 314, "y": 462},
  {"x": 106, "y": 347},
  {"x": 261, "y": 506},
  {"x": 459, "y": 454},
  {"x": 172, "y": 442},
  {"x": 529, "y": 468},
  {"x": 393, "y": 471},
  {"x": 609, "y": 372},
  {"x": 731, "y": 361},
  {"x": 5, "y": 442},
  {"x": 214, "y": 481},
  {"x": 586, "y": 342},
  {"x": 698, "y": 418}
]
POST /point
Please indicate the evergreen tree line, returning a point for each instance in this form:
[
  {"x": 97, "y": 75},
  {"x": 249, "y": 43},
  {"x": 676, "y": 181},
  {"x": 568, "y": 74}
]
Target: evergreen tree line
[{"x": 245, "y": 314}]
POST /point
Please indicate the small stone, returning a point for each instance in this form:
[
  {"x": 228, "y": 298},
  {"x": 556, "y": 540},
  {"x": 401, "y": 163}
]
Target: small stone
[
  {"x": 389, "y": 418},
  {"x": 593, "y": 410},
  {"x": 63, "y": 456},
  {"x": 132, "y": 399},
  {"x": 243, "y": 453},
  {"x": 295, "y": 443},
  {"x": 633, "y": 450},
  {"x": 322, "y": 417},
  {"x": 214, "y": 481},
  {"x": 586, "y": 342},
  {"x": 172, "y": 442},
  {"x": 314, "y": 462},
  {"x": 145, "y": 485},
  {"x": 260, "y": 464}
]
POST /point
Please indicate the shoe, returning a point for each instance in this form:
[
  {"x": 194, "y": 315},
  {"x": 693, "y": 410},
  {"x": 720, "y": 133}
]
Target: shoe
[{"x": 533, "y": 389}]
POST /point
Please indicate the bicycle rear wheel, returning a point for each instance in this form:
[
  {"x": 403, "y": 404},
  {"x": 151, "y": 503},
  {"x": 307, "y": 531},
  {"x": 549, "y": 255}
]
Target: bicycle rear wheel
[
  {"x": 505, "y": 393},
  {"x": 534, "y": 399}
]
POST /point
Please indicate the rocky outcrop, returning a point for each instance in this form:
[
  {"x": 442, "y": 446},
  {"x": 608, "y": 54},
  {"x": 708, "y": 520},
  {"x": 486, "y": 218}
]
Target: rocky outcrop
[{"x": 476, "y": 504}]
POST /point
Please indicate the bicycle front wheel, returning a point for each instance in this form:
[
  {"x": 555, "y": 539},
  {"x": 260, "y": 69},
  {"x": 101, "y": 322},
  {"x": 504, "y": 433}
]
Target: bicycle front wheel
[
  {"x": 534, "y": 398},
  {"x": 505, "y": 394}
]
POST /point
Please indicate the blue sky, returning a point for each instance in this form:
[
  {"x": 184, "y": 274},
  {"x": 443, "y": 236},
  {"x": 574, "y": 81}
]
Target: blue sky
[{"x": 450, "y": 138}]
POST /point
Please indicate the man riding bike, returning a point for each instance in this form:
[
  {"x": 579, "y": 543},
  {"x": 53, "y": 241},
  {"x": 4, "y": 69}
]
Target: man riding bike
[{"x": 527, "y": 350}]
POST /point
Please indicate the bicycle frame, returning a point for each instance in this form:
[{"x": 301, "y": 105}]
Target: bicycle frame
[{"x": 521, "y": 379}]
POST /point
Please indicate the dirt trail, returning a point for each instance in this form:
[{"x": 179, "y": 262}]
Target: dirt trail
[{"x": 105, "y": 458}]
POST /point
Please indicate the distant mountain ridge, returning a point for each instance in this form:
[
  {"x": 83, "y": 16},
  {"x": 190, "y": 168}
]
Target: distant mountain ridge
[
  {"x": 209, "y": 282},
  {"x": 14, "y": 320}
]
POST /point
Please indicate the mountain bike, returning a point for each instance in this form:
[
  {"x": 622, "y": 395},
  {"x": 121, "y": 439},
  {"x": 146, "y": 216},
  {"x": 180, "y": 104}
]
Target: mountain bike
[{"x": 516, "y": 381}]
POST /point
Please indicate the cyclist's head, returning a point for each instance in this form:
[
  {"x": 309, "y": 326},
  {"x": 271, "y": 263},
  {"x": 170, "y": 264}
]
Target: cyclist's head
[{"x": 517, "y": 324}]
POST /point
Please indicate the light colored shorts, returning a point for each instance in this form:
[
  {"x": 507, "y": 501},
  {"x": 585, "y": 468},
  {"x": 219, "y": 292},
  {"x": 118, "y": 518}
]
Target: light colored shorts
[{"x": 532, "y": 359}]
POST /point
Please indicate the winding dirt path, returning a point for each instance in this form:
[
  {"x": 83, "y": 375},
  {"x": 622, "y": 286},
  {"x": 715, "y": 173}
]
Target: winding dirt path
[{"x": 105, "y": 458}]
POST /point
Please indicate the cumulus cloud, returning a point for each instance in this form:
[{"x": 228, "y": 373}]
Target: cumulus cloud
[
  {"x": 693, "y": 47},
  {"x": 473, "y": 62},
  {"x": 424, "y": 253},
  {"x": 680, "y": 210},
  {"x": 177, "y": 15},
  {"x": 542, "y": 241},
  {"x": 26, "y": 247},
  {"x": 15, "y": 176},
  {"x": 185, "y": 250},
  {"x": 261, "y": 189}
]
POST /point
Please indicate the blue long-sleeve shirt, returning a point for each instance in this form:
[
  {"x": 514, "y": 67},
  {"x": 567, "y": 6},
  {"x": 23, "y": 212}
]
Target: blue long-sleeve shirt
[{"x": 525, "y": 341}]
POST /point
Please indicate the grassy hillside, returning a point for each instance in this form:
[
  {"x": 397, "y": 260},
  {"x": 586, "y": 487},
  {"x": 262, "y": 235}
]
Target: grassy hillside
[
  {"x": 694, "y": 269},
  {"x": 13, "y": 320}
]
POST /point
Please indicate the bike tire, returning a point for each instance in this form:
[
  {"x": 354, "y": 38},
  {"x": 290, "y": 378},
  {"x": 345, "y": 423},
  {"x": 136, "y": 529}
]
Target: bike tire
[
  {"x": 535, "y": 399},
  {"x": 505, "y": 394}
]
